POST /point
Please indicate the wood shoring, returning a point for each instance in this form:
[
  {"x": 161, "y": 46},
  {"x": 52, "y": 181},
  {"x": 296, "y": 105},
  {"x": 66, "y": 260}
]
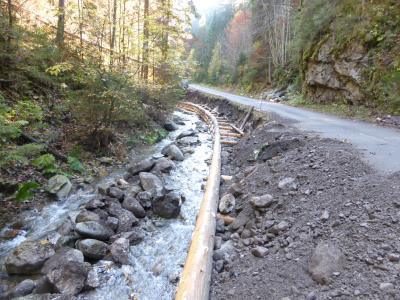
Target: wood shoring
[{"x": 195, "y": 279}]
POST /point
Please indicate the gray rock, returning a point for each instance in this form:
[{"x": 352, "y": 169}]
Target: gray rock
[
  {"x": 47, "y": 296},
  {"x": 225, "y": 252},
  {"x": 28, "y": 257},
  {"x": 173, "y": 151},
  {"x": 186, "y": 133},
  {"x": 163, "y": 165},
  {"x": 112, "y": 222},
  {"x": 393, "y": 257},
  {"x": 142, "y": 166},
  {"x": 262, "y": 201},
  {"x": 60, "y": 186},
  {"x": 23, "y": 288},
  {"x": 219, "y": 265},
  {"x": 64, "y": 255},
  {"x": 188, "y": 141},
  {"x": 170, "y": 125},
  {"x": 288, "y": 183},
  {"x": 150, "y": 182},
  {"x": 42, "y": 286},
  {"x": 227, "y": 204},
  {"x": 120, "y": 251},
  {"x": 103, "y": 188},
  {"x": 93, "y": 229},
  {"x": 92, "y": 249},
  {"x": 259, "y": 251},
  {"x": 168, "y": 207},
  {"x": 145, "y": 198},
  {"x": 278, "y": 228},
  {"x": 134, "y": 206},
  {"x": 217, "y": 242},
  {"x": 386, "y": 286},
  {"x": 220, "y": 226},
  {"x": 95, "y": 203},
  {"x": 326, "y": 259},
  {"x": 86, "y": 215},
  {"x": 125, "y": 217},
  {"x": 325, "y": 216},
  {"x": 134, "y": 237},
  {"x": 115, "y": 192}
]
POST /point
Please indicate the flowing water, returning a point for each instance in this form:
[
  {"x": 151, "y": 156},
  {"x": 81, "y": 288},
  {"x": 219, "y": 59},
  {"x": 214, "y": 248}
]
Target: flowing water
[{"x": 158, "y": 260}]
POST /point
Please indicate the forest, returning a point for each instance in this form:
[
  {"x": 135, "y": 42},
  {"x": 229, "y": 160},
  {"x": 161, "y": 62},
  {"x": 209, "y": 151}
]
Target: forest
[
  {"x": 341, "y": 51},
  {"x": 84, "y": 79}
]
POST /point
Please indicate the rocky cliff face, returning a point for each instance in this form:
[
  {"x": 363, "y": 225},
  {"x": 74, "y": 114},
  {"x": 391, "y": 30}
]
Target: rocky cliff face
[{"x": 331, "y": 76}]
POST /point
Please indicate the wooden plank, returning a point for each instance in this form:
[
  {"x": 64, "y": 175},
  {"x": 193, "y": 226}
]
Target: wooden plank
[
  {"x": 246, "y": 118},
  {"x": 225, "y": 142},
  {"x": 195, "y": 280}
]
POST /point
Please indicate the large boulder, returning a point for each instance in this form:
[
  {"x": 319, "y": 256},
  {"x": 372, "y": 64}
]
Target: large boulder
[
  {"x": 66, "y": 271},
  {"x": 120, "y": 251},
  {"x": 60, "y": 186},
  {"x": 28, "y": 257},
  {"x": 142, "y": 166},
  {"x": 125, "y": 217},
  {"x": 326, "y": 259},
  {"x": 150, "y": 182},
  {"x": 93, "y": 249},
  {"x": 170, "y": 125},
  {"x": 163, "y": 165},
  {"x": 168, "y": 207},
  {"x": 93, "y": 229},
  {"x": 173, "y": 151},
  {"x": 23, "y": 288},
  {"x": 188, "y": 141},
  {"x": 134, "y": 206},
  {"x": 227, "y": 204}
]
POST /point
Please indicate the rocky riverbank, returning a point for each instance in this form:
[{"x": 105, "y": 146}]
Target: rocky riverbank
[
  {"x": 303, "y": 217},
  {"x": 76, "y": 258}
]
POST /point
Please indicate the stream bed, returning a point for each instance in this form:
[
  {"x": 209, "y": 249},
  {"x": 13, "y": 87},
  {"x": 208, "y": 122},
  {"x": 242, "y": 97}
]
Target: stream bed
[{"x": 156, "y": 262}]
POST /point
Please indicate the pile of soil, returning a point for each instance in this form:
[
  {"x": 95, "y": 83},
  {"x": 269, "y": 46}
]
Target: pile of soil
[{"x": 320, "y": 194}]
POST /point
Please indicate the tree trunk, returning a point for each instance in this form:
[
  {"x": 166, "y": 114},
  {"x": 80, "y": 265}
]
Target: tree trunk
[
  {"x": 145, "y": 57},
  {"x": 10, "y": 24},
  {"x": 60, "y": 24},
  {"x": 113, "y": 32}
]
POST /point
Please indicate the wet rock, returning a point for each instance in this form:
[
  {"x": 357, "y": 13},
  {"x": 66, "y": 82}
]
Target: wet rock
[
  {"x": 125, "y": 217},
  {"x": 188, "y": 141},
  {"x": 134, "y": 206},
  {"x": 134, "y": 237},
  {"x": 112, "y": 222},
  {"x": 92, "y": 249},
  {"x": 120, "y": 250},
  {"x": 150, "y": 182},
  {"x": 263, "y": 201},
  {"x": 115, "y": 192},
  {"x": 259, "y": 251},
  {"x": 170, "y": 125},
  {"x": 288, "y": 183},
  {"x": 145, "y": 199},
  {"x": 66, "y": 271},
  {"x": 102, "y": 188},
  {"x": 173, "y": 151},
  {"x": 168, "y": 207},
  {"x": 47, "y": 296},
  {"x": 186, "y": 133},
  {"x": 23, "y": 288},
  {"x": 60, "y": 186},
  {"x": 86, "y": 215},
  {"x": 28, "y": 257},
  {"x": 227, "y": 204},
  {"x": 93, "y": 229},
  {"x": 95, "y": 203},
  {"x": 326, "y": 259},
  {"x": 163, "y": 165},
  {"x": 142, "y": 166}
]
